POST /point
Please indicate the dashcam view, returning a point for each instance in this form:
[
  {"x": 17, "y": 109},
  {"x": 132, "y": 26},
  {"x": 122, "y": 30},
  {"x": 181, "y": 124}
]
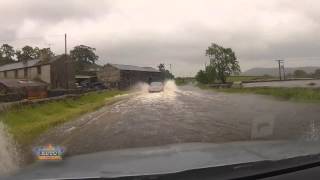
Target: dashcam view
[{"x": 147, "y": 89}]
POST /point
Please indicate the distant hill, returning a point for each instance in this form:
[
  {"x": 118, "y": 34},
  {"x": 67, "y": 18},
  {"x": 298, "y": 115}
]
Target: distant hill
[{"x": 275, "y": 71}]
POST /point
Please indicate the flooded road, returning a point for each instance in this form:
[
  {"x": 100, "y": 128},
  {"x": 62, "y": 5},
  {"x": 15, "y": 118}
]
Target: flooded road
[
  {"x": 8, "y": 153},
  {"x": 186, "y": 114}
]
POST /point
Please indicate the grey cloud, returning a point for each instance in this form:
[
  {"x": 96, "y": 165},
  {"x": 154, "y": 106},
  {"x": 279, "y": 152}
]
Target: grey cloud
[
  {"x": 53, "y": 11},
  {"x": 185, "y": 44}
]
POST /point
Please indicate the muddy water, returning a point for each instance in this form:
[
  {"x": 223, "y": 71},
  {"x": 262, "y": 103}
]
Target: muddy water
[
  {"x": 187, "y": 114},
  {"x": 8, "y": 153}
]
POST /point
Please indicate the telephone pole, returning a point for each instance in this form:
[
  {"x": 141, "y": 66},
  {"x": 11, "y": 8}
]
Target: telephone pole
[
  {"x": 279, "y": 63},
  {"x": 67, "y": 63},
  {"x": 65, "y": 43}
]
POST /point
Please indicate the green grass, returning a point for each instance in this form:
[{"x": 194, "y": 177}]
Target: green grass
[
  {"x": 246, "y": 78},
  {"x": 294, "y": 94},
  {"x": 26, "y": 123},
  {"x": 180, "y": 81}
]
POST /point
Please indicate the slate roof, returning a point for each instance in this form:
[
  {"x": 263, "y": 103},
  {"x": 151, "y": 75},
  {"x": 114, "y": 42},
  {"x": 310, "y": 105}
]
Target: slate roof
[
  {"x": 29, "y": 63},
  {"x": 134, "y": 68}
]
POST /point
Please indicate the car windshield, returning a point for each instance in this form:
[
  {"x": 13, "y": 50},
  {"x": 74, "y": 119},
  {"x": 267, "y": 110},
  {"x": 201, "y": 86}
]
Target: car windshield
[
  {"x": 207, "y": 83},
  {"x": 156, "y": 84}
]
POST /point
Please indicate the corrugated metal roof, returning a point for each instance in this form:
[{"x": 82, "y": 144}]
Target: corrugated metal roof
[
  {"x": 29, "y": 63},
  {"x": 18, "y": 83},
  {"x": 134, "y": 68}
]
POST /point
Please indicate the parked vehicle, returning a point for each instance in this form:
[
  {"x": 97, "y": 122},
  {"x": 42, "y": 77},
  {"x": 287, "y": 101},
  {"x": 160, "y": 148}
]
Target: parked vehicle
[
  {"x": 98, "y": 85},
  {"x": 155, "y": 87}
]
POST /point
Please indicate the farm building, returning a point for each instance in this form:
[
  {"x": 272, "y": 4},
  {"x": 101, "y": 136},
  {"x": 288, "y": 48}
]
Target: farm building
[
  {"x": 23, "y": 89},
  {"x": 57, "y": 71},
  {"x": 125, "y": 76}
]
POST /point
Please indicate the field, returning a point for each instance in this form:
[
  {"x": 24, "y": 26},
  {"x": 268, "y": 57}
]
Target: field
[
  {"x": 246, "y": 78},
  {"x": 293, "y": 94},
  {"x": 180, "y": 81},
  {"x": 27, "y": 122}
]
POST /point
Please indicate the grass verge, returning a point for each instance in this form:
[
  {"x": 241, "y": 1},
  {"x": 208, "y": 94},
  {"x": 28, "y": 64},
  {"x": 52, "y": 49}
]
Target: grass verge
[
  {"x": 26, "y": 123},
  {"x": 246, "y": 78},
  {"x": 293, "y": 94}
]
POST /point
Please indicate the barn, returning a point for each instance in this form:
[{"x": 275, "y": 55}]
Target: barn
[
  {"x": 57, "y": 71},
  {"x": 125, "y": 76}
]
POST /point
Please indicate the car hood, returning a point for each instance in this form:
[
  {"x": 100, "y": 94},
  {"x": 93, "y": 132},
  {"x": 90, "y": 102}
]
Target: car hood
[{"x": 165, "y": 159}]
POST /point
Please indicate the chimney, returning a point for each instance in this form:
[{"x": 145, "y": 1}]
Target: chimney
[{"x": 44, "y": 56}]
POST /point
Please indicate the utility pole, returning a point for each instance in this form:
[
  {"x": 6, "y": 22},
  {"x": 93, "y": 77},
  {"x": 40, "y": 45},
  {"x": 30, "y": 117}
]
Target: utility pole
[
  {"x": 279, "y": 63},
  {"x": 65, "y": 43},
  {"x": 67, "y": 63},
  {"x": 284, "y": 72}
]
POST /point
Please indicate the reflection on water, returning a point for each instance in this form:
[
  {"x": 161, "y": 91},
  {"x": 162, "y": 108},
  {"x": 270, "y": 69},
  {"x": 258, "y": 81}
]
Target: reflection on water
[
  {"x": 8, "y": 152},
  {"x": 313, "y": 132},
  {"x": 262, "y": 126}
]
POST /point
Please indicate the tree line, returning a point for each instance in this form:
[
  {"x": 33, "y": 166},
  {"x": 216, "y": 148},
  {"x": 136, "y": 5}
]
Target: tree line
[
  {"x": 10, "y": 55},
  {"x": 303, "y": 74},
  {"x": 83, "y": 55}
]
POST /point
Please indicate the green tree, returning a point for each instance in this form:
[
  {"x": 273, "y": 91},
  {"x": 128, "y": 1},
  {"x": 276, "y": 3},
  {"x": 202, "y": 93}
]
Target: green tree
[
  {"x": 6, "y": 54},
  {"x": 211, "y": 73},
  {"x": 161, "y": 67},
  {"x": 202, "y": 77},
  {"x": 317, "y": 73},
  {"x": 223, "y": 60},
  {"x": 299, "y": 73},
  {"x": 45, "y": 53},
  {"x": 83, "y": 55},
  {"x": 166, "y": 73},
  {"x": 27, "y": 53}
]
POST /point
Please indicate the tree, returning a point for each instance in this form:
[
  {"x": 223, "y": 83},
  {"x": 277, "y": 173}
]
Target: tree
[
  {"x": 27, "y": 53},
  {"x": 161, "y": 67},
  {"x": 299, "y": 73},
  {"x": 202, "y": 77},
  {"x": 317, "y": 73},
  {"x": 211, "y": 73},
  {"x": 166, "y": 73},
  {"x": 6, "y": 54},
  {"x": 223, "y": 60},
  {"x": 45, "y": 53},
  {"x": 83, "y": 55}
]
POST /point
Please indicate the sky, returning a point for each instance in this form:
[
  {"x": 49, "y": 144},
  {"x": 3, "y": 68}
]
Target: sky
[{"x": 176, "y": 32}]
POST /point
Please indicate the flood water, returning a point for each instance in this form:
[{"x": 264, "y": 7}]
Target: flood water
[
  {"x": 8, "y": 152},
  {"x": 187, "y": 114}
]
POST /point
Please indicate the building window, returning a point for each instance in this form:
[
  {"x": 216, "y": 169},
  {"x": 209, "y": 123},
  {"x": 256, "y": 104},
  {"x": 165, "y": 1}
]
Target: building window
[
  {"x": 5, "y": 74},
  {"x": 25, "y": 72},
  {"x": 15, "y": 73},
  {"x": 39, "y": 69}
]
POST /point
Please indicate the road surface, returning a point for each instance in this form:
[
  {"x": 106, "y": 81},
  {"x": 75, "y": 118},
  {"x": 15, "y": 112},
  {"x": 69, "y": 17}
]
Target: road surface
[{"x": 186, "y": 114}]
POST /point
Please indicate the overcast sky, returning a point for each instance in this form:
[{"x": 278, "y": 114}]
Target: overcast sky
[{"x": 147, "y": 32}]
